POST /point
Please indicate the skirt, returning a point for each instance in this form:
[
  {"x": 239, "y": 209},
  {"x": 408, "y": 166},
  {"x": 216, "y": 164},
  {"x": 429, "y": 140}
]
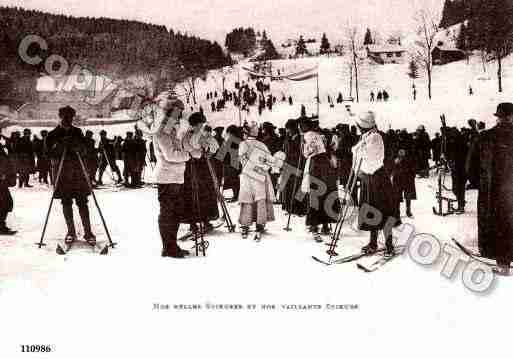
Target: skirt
[
  {"x": 200, "y": 204},
  {"x": 324, "y": 205},
  {"x": 377, "y": 202}
]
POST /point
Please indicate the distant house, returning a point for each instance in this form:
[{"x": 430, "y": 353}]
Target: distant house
[
  {"x": 442, "y": 55},
  {"x": 386, "y": 54},
  {"x": 91, "y": 98}
]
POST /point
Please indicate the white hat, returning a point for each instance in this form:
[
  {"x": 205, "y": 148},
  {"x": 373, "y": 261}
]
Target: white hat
[{"x": 366, "y": 119}]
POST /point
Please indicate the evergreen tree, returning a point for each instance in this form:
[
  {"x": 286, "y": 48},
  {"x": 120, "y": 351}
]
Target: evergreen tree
[
  {"x": 413, "y": 70},
  {"x": 301, "y": 47},
  {"x": 270, "y": 52},
  {"x": 368, "y": 38},
  {"x": 325, "y": 45},
  {"x": 461, "y": 41}
]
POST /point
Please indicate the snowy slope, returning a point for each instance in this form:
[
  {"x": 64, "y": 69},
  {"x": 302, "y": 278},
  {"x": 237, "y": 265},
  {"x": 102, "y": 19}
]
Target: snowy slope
[{"x": 91, "y": 306}]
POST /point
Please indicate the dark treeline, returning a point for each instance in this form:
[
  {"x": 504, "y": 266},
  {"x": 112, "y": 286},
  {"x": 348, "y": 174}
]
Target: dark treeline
[
  {"x": 487, "y": 24},
  {"x": 241, "y": 40},
  {"x": 108, "y": 46}
]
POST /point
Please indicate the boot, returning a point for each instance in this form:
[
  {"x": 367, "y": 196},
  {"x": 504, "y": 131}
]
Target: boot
[
  {"x": 372, "y": 247},
  {"x": 315, "y": 234},
  {"x": 325, "y": 229},
  {"x": 260, "y": 228},
  {"x": 169, "y": 246},
  {"x": 389, "y": 247},
  {"x": 89, "y": 237},
  {"x": 244, "y": 230},
  {"x": 408, "y": 209},
  {"x": 67, "y": 211}
]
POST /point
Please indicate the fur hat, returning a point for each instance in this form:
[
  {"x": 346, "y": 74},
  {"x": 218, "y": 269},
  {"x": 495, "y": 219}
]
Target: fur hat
[
  {"x": 366, "y": 119},
  {"x": 251, "y": 129}
]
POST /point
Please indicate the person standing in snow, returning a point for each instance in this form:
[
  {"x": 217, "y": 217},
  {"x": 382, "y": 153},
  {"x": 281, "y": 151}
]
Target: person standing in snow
[
  {"x": 67, "y": 143},
  {"x": 7, "y": 179},
  {"x": 376, "y": 202},
  {"x": 495, "y": 201},
  {"x": 318, "y": 169},
  {"x": 172, "y": 154},
  {"x": 256, "y": 195}
]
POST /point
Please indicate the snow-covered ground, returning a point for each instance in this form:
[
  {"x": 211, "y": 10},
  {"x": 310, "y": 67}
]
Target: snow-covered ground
[{"x": 85, "y": 305}]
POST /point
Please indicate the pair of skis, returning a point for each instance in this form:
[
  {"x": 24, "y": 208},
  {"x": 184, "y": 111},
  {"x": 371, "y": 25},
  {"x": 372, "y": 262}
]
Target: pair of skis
[
  {"x": 372, "y": 267},
  {"x": 475, "y": 256},
  {"x": 68, "y": 246}
]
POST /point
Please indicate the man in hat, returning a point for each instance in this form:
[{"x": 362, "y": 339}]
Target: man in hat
[
  {"x": 107, "y": 157},
  {"x": 66, "y": 143},
  {"x": 495, "y": 201},
  {"x": 172, "y": 154},
  {"x": 26, "y": 158}
]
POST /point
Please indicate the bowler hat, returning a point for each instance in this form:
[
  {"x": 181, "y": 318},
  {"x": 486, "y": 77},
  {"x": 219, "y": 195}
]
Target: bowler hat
[{"x": 504, "y": 109}]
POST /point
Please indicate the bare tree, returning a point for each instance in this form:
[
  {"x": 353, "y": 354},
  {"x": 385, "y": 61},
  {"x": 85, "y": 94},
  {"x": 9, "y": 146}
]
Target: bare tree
[
  {"x": 353, "y": 47},
  {"x": 427, "y": 28}
]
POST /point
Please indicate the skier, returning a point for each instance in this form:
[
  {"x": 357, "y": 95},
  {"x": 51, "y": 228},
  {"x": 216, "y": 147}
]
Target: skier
[
  {"x": 294, "y": 158},
  {"x": 107, "y": 157},
  {"x": 200, "y": 196},
  {"x": 69, "y": 140},
  {"x": 376, "y": 203},
  {"x": 494, "y": 209},
  {"x": 256, "y": 196},
  {"x": 318, "y": 168},
  {"x": 172, "y": 154},
  {"x": 372, "y": 96}
]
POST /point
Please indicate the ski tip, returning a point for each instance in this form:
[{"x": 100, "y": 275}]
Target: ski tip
[
  {"x": 60, "y": 251},
  {"x": 359, "y": 266},
  {"x": 104, "y": 251}
]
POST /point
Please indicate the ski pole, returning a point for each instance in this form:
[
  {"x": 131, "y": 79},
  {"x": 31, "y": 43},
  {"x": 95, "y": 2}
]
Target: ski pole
[
  {"x": 343, "y": 210},
  {"x": 57, "y": 180},
  {"x": 84, "y": 171}
]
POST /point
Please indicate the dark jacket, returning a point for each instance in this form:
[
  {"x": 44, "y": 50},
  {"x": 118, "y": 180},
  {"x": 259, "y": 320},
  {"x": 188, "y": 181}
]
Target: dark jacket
[
  {"x": 495, "y": 201},
  {"x": 72, "y": 182}
]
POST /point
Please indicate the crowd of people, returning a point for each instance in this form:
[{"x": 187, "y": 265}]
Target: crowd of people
[
  {"x": 30, "y": 155},
  {"x": 255, "y": 162}
]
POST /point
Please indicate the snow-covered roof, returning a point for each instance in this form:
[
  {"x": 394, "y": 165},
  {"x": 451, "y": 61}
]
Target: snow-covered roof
[
  {"x": 448, "y": 48},
  {"x": 385, "y": 48}
]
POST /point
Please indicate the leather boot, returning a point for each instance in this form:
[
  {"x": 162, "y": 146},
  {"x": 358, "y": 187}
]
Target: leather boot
[
  {"x": 83, "y": 210},
  {"x": 67, "y": 211}
]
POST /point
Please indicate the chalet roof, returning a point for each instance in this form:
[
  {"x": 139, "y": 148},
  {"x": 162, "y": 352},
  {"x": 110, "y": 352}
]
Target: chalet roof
[
  {"x": 448, "y": 49},
  {"x": 385, "y": 48}
]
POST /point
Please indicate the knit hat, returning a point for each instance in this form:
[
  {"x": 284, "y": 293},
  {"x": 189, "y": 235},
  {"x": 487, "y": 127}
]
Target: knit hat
[{"x": 366, "y": 119}]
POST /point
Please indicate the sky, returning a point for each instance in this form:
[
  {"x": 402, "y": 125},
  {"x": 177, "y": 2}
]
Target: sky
[{"x": 282, "y": 19}]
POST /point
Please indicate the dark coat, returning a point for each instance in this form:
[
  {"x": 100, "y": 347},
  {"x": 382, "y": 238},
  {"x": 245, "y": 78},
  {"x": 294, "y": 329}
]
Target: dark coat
[
  {"x": 72, "y": 182},
  {"x": 321, "y": 168},
  {"x": 205, "y": 193},
  {"x": 7, "y": 168},
  {"x": 495, "y": 202},
  {"x": 294, "y": 158}
]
